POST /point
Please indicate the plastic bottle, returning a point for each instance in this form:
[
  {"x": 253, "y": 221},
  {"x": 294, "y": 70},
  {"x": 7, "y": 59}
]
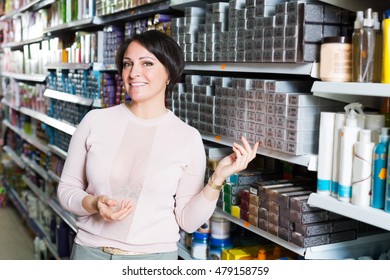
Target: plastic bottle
[
  {"x": 349, "y": 136},
  {"x": 217, "y": 246},
  {"x": 378, "y": 51},
  {"x": 379, "y": 170},
  {"x": 386, "y": 48},
  {"x": 356, "y": 45},
  {"x": 367, "y": 49},
  {"x": 200, "y": 245},
  {"x": 362, "y": 168},
  {"x": 338, "y": 125}
]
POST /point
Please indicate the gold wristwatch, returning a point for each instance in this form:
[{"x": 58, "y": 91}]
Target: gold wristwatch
[{"x": 215, "y": 186}]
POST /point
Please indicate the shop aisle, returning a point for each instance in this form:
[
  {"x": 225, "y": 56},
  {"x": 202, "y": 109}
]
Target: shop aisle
[{"x": 16, "y": 242}]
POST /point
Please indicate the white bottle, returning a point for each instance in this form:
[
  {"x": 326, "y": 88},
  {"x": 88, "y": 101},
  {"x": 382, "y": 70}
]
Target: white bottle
[
  {"x": 339, "y": 124},
  {"x": 325, "y": 153},
  {"x": 362, "y": 169},
  {"x": 349, "y": 136}
]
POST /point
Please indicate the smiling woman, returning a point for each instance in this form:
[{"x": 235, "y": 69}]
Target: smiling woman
[{"x": 134, "y": 173}]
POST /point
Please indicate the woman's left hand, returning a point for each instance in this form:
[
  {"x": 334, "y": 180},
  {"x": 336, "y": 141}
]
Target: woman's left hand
[{"x": 237, "y": 161}]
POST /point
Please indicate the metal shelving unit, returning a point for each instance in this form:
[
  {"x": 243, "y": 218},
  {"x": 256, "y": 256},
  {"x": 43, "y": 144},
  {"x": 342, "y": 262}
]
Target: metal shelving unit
[
  {"x": 309, "y": 161},
  {"x": 68, "y": 66},
  {"x": 30, "y": 139},
  {"x": 308, "y": 69},
  {"x": 368, "y": 94},
  {"x": 36, "y": 167},
  {"x": 67, "y": 97},
  {"x": 17, "y": 159},
  {"x": 67, "y": 128},
  {"x": 183, "y": 252},
  {"x": 367, "y": 245},
  {"x": 59, "y": 152},
  {"x": 162, "y": 6},
  {"x": 39, "y": 78},
  {"x": 290, "y": 246},
  {"x": 369, "y": 215},
  {"x": 357, "y": 5}
]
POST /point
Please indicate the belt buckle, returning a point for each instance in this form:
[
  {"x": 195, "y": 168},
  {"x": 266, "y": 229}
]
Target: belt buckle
[{"x": 116, "y": 251}]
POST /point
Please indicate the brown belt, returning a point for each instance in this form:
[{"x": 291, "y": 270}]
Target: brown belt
[{"x": 116, "y": 251}]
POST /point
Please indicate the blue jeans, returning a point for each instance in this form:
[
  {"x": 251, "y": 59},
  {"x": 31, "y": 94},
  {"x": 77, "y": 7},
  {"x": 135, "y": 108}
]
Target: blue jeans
[{"x": 80, "y": 252}]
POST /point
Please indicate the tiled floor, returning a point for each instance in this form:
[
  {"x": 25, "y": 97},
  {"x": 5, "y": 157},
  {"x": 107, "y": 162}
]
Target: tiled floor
[{"x": 16, "y": 241}]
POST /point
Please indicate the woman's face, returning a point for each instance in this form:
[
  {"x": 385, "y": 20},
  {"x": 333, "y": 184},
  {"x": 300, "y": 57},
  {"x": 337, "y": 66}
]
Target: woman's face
[{"x": 144, "y": 77}]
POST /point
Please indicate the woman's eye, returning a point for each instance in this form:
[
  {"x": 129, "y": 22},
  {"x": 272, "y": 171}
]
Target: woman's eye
[
  {"x": 126, "y": 64},
  {"x": 147, "y": 63}
]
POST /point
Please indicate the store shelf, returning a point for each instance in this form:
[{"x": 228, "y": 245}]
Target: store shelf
[
  {"x": 44, "y": 199},
  {"x": 288, "y": 245},
  {"x": 34, "y": 188},
  {"x": 64, "y": 215},
  {"x": 59, "y": 152},
  {"x": 39, "y": 78},
  {"x": 367, "y": 245},
  {"x": 134, "y": 13},
  {"x": 8, "y": 104},
  {"x": 366, "y": 93},
  {"x": 182, "y": 4},
  {"x": 183, "y": 252},
  {"x": 98, "y": 66},
  {"x": 54, "y": 177},
  {"x": 32, "y": 5},
  {"x": 357, "y": 5},
  {"x": 36, "y": 167},
  {"x": 308, "y": 69},
  {"x": 64, "y": 127},
  {"x": 371, "y": 245},
  {"x": 68, "y": 97},
  {"x": 309, "y": 161},
  {"x": 18, "y": 203},
  {"x": 369, "y": 215},
  {"x": 69, "y": 66},
  {"x": 17, "y": 159},
  {"x": 74, "y": 25},
  {"x": 69, "y": 219},
  {"x": 19, "y": 45},
  {"x": 30, "y": 139}
]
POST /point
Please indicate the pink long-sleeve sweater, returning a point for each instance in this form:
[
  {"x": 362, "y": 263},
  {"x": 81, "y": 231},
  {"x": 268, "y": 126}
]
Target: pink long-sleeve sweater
[{"x": 158, "y": 164}]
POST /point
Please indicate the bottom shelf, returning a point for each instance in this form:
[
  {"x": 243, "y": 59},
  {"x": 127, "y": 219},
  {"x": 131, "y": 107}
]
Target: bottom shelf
[{"x": 369, "y": 245}]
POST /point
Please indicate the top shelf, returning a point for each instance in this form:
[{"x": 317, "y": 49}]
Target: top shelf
[
  {"x": 359, "y": 5},
  {"x": 311, "y": 69},
  {"x": 33, "y": 5}
]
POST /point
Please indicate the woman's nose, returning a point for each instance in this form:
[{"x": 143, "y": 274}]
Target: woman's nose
[{"x": 134, "y": 72}]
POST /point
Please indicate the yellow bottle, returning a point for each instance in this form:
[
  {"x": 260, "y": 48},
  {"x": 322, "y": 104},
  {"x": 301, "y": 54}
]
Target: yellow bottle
[
  {"x": 386, "y": 48},
  {"x": 378, "y": 52}
]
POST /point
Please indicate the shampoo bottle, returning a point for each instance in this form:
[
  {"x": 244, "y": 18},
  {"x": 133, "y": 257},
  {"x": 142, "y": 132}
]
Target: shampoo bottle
[
  {"x": 349, "y": 136},
  {"x": 379, "y": 172},
  {"x": 362, "y": 168},
  {"x": 386, "y": 48},
  {"x": 339, "y": 123},
  {"x": 357, "y": 46},
  {"x": 367, "y": 49}
]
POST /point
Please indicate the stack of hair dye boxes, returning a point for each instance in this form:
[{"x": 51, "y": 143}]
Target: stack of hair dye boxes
[
  {"x": 280, "y": 208},
  {"x": 259, "y": 30}
]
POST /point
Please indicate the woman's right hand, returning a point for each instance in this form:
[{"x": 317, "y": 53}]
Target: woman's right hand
[{"x": 111, "y": 210}]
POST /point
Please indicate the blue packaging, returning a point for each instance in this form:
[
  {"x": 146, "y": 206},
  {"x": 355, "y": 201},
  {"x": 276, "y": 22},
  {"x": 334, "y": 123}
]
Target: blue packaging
[
  {"x": 379, "y": 171},
  {"x": 217, "y": 246}
]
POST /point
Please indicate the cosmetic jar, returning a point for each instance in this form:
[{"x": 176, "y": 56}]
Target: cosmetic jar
[{"x": 336, "y": 59}]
